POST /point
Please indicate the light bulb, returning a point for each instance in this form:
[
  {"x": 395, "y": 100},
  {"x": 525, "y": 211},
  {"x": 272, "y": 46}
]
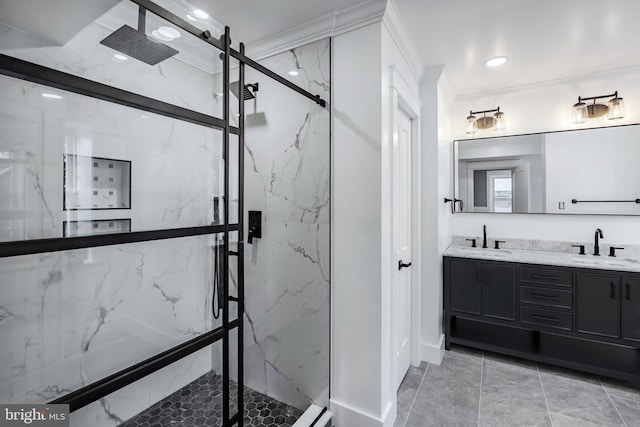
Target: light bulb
[
  {"x": 498, "y": 122},
  {"x": 616, "y": 109},
  {"x": 472, "y": 126},
  {"x": 580, "y": 114}
]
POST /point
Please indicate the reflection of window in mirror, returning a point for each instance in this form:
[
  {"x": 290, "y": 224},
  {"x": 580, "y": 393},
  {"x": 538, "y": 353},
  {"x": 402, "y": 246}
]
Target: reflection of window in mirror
[{"x": 500, "y": 191}]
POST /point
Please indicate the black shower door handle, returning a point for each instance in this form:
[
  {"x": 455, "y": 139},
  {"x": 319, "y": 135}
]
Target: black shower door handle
[{"x": 401, "y": 264}]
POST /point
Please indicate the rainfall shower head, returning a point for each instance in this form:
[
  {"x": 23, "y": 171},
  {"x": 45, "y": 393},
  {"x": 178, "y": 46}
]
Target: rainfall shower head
[
  {"x": 136, "y": 44},
  {"x": 247, "y": 94}
]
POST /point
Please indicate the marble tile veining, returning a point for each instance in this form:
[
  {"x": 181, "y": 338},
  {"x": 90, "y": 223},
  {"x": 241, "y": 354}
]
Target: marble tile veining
[{"x": 558, "y": 257}]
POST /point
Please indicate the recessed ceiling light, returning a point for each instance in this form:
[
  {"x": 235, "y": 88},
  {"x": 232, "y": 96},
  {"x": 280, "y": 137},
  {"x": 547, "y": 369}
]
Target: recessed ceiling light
[
  {"x": 496, "y": 61},
  {"x": 191, "y": 18},
  {"x": 293, "y": 73},
  {"x": 144, "y": 116},
  {"x": 120, "y": 57},
  {"x": 159, "y": 36},
  {"x": 51, "y": 96},
  {"x": 200, "y": 14},
  {"x": 172, "y": 33}
]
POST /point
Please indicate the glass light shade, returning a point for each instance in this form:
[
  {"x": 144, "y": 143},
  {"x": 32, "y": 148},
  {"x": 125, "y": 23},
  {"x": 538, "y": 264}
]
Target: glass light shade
[
  {"x": 616, "y": 109},
  {"x": 498, "y": 121},
  {"x": 472, "y": 126},
  {"x": 580, "y": 114}
]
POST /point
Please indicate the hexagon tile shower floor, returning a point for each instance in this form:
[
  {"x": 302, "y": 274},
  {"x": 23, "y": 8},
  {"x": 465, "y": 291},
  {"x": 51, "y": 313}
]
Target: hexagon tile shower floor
[{"x": 199, "y": 404}]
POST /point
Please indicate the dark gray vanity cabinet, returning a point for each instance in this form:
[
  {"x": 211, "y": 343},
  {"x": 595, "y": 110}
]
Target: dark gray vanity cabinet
[
  {"x": 484, "y": 289},
  {"x": 498, "y": 291},
  {"x": 630, "y": 296},
  {"x": 580, "y": 318},
  {"x": 465, "y": 286},
  {"x": 598, "y": 304}
]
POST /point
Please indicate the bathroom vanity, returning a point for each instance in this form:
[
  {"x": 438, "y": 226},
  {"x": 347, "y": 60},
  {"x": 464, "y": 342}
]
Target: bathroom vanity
[{"x": 580, "y": 312}]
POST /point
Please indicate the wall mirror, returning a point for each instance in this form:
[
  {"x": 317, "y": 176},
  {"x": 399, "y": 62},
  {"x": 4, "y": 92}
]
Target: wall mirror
[{"x": 586, "y": 171}]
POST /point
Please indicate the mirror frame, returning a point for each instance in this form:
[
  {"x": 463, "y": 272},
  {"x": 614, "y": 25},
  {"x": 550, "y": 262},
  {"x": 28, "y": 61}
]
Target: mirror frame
[{"x": 454, "y": 170}]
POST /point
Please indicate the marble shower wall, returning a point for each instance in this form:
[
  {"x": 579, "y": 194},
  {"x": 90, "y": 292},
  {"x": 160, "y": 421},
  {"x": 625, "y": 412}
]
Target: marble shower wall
[
  {"x": 70, "y": 318},
  {"x": 287, "y": 280}
]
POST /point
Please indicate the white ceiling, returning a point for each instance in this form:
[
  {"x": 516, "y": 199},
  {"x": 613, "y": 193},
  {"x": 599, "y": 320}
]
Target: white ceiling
[
  {"x": 39, "y": 19},
  {"x": 253, "y": 20},
  {"x": 544, "y": 39}
]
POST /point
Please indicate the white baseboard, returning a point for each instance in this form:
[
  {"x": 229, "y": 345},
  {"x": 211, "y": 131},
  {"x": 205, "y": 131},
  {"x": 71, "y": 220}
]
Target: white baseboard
[
  {"x": 347, "y": 416},
  {"x": 432, "y": 354}
]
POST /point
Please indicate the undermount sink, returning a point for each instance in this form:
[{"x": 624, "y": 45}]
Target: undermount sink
[{"x": 605, "y": 261}]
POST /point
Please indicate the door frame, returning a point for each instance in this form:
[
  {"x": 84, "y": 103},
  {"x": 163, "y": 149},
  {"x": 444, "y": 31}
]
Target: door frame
[{"x": 403, "y": 98}]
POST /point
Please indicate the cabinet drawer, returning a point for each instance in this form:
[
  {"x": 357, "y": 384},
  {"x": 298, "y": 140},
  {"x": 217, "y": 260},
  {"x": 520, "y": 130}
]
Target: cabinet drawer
[
  {"x": 552, "y": 319},
  {"x": 545, "y": 296},
  {"x": 546, "y": 276}
]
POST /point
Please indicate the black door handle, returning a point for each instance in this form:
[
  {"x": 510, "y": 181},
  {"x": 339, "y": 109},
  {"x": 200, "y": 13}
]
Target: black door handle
[
  {"x": 401, "y": 264},
  {"x": 628, "y": 292}
]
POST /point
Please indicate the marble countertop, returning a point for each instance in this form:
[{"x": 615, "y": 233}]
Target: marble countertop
[{"x": 565, "y": 259}]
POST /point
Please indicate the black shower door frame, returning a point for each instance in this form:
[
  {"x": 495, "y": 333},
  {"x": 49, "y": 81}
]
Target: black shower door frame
[{"x": 28, "y": 71}]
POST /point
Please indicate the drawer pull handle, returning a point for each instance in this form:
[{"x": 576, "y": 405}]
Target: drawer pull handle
[
  {"x": 548, "y": 319},
  {"x": 541, "y": 276},
  {"x": 540, "y": 296},
  {"x": 613, "y": 290},
  {"x": 628, "y": 296}
]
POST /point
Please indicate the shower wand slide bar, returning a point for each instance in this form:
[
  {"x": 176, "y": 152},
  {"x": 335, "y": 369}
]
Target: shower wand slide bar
[
  {"x": 576, "y": 201},
  {"x": 240, "y": 56},
  {"x": 101, "y": 388},
  {"x": 39, "y": 246},
  {"x": 40, "y": 74}
]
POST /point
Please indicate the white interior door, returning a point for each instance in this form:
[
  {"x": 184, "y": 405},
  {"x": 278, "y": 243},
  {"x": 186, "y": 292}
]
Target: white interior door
[{"x": 402, "y": 246}]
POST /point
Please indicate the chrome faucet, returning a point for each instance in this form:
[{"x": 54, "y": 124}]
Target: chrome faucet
[
  {"x": 596, "y": 246},
  {"x": 484, "y": 236}
]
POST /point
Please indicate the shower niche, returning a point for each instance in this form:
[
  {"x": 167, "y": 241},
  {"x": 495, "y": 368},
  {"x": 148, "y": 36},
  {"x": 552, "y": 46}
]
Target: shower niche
[{"x": 96, "y": 183}]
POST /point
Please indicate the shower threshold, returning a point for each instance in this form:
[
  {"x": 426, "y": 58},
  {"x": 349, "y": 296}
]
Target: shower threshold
[{"x": 199, "y": 404}]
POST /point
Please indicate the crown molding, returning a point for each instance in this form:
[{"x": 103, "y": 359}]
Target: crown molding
[
  {"x": 398, "y": 30},
  {"x": 329, "y": 25}
]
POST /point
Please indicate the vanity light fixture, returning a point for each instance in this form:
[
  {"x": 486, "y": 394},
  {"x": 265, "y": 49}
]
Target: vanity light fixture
[
  {"x": 496, "y": 121},
  {"x": 582, "y": 111}
]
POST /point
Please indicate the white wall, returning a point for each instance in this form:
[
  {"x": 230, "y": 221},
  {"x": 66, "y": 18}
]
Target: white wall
[
  {"x": 362, "y": 392},
  {"x": 435, "y": 236},
  {"x": 546, "y": 107},
  {"x": 356, "y": 224}
]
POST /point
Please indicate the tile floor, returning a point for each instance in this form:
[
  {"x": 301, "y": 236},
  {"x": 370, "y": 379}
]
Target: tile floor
[
  {"x": 475, "y": 388},
  {"x": 199, "y": 404}
]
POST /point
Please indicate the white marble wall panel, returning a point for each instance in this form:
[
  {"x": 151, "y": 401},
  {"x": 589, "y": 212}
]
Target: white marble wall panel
[
  {"x": 181, "y": 80},
  {"x": 287, "y": 278},
  {"x": 172, "y": 162},
  {"x": 70, "y": 318}
]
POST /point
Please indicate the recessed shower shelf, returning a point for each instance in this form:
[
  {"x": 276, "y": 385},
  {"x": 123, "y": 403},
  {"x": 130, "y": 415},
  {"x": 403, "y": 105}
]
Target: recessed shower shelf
[{"x": 96, "y": 183}]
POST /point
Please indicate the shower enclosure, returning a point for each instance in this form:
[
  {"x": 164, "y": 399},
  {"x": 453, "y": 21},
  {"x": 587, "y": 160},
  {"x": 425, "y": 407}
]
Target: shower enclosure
[{"x": 128, "y": 287}]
